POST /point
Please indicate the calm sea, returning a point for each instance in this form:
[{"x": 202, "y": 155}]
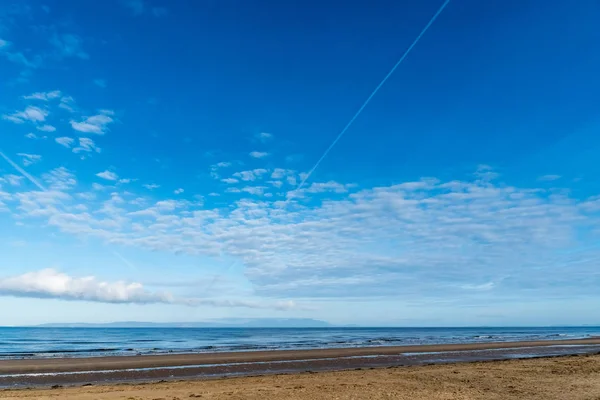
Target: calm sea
[{"x": 85, "y": 342}]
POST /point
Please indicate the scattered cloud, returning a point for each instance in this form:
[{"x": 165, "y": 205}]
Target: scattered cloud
[
  {"x": 12, "y": 179},
  {"x": 65, "y": 141},
  {"x": 548, "y": 178},
  {"x": 46, "y": 128},
  {"x": 97, "y": 124},
  {"x": 4, "y": 44},
  {"x": 255, "y": 190},
  {"x": 68, "y": 45},
  {"x": 330, "y": 186},
  {"x": 44, "y": 96},
  {"x": 100, "y": 83},
  {"x": 258, "y": 154},
  {"x": 86, "y": 145},
  {"x": 250, "y": 175},
  {"x": 108, "y": 175},
  {"x": 29, "y": 159},
  {"x": 67, "y": 103},
  {"x": 264, "y": 136},
  {"x": 178, "y": 191},
  {"x": 151, "y": 186},
  {"x": 340, "y": 240},
  {"x": 31, "y": 114},
  {"x": 21, "y": 59},
  {"x": 214, "y": 169},
  {"x": 229, "y": 180}
]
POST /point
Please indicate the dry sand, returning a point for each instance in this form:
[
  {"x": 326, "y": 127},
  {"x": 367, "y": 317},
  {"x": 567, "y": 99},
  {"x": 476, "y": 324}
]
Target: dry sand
[{"x": 570, "y": 377}]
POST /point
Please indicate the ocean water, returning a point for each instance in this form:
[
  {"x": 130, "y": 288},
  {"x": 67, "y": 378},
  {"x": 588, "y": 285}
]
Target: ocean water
[{"x": 86, "y": 342}]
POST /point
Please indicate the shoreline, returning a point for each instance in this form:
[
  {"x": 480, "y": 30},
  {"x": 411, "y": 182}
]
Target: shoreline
[
  {"x": 128, "y": 369},
  {"x": 49, "y": 365},
  {"x": 536, "y": 379}
]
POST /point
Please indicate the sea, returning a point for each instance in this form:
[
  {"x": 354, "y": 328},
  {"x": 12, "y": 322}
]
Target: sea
[{"x": 19, "y": 343}]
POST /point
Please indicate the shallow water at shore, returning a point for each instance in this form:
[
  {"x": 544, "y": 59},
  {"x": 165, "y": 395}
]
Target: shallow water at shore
[
  {"x": 17, "y": 343},
  {"x": 49, "y": 372}
]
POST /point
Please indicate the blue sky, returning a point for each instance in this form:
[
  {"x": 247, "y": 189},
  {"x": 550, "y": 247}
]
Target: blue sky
[{"x": 152, "y": 152}]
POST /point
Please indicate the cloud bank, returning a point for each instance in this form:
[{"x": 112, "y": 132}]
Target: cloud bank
[{"x": 52, "y": 284}]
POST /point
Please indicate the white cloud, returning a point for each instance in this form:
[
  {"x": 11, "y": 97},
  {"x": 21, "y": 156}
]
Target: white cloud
[
  {"x": 279, "y": 173},
  {"x": 151, "y": 186},
  {"x": 214, "y": 169},
  {"x": 46, "y": 128},
  {"x": 31, "y": 136},
  {"x": 65, "y": 141},
  {"x": 86, "y": 145},
  {"x": 29, "y": 159},
  {"x": 67, "y": 103},
  {"x": 49, "y": 283},
  {"x": 97, "y": 124},
  {"x": 59, "y": 179},
  {"x": 44, "y": 96},
  {"x": 108, "y": 175},
  {"x": 330, "y": 186},
  {"x": 255, "y": 190},
  {"x": 4, "y": 43},
  {"x": 258, "y": 154},
  {"x": 178, "y": 191},
  {"x": 100, "y": 83},
  {"x": 277, "y": 184},
  {"x": 264, "y": 136},
  {"x": 251, "y": 175},
  {"x": 14, "y": 180},
  {"x": 229, "y": 180},
  {"x": 378, "y": 241},
  {"x": 31, "y": 114}
]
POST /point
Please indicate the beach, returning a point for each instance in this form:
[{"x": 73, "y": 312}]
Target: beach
[
  {"x": 566, "y": 377},
  {"x": 105, "y": 371}
]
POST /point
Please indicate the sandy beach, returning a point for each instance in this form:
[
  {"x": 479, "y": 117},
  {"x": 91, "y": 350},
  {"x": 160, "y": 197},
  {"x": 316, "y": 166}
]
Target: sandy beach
[
  {"x": 567, "y": 377},
  {"x": 201, "y": 369}
]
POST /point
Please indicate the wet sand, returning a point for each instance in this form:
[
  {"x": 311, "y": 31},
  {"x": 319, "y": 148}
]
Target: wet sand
[
  {"x": 558, "y": 378},
  {"x": 111, "y": 370}
]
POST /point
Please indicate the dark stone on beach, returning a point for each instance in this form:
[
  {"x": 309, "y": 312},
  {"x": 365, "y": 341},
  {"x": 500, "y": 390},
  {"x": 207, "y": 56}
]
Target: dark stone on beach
[{"x": 56, "y": 387}]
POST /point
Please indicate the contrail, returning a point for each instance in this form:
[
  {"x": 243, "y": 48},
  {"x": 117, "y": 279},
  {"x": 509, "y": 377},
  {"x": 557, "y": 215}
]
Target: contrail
[
  {"x": 23, "y": 172},
  {"x": 43, "y": 189},
  {"x": 360, "y": 110},
  {"x": 339, "y": 136}
]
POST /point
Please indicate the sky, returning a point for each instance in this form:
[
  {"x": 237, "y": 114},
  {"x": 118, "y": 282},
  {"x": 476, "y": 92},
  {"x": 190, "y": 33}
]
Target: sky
[{"x": 156, "y": 158}]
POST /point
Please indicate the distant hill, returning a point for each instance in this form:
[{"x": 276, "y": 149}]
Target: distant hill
[{"x": 221, "y": 323}]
